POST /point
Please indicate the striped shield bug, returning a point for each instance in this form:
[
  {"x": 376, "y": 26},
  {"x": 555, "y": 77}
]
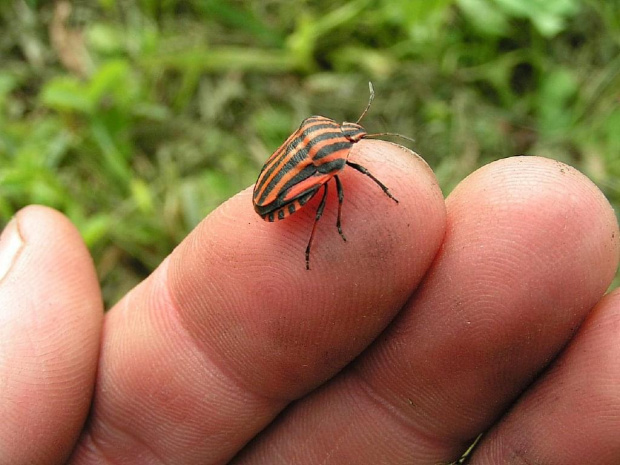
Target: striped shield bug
[{"x": 312, "y": 156}]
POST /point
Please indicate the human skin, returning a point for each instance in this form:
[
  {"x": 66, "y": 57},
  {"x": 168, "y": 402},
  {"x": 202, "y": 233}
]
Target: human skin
[{"x": 436, "y": 321}]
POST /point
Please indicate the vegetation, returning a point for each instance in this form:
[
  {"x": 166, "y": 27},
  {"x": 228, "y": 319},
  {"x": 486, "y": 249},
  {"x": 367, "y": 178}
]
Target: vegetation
[{"x": 137, "y": 118}]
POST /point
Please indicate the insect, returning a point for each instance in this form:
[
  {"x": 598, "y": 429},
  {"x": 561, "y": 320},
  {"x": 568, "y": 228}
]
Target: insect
[{"x": 312, "y": 156}]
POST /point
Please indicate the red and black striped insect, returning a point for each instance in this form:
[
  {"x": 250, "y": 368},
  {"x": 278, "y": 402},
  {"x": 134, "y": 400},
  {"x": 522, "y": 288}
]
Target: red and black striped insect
[{"x": 312, "y": 156}]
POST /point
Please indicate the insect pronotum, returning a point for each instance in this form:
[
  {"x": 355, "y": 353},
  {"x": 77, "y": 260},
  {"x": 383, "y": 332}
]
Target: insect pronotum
[{"x": 312, "y": 156}]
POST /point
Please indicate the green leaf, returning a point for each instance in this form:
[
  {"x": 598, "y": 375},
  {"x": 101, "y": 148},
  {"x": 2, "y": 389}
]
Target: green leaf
[
  {"x": 240, "y": 18},
  {"x": 8, "y": 82},
  {"x": 95, "y": 229},
  {"x": 485, "y": 16},
  {"x": 67, "y": 94},
  {"x": 141, "y": 194},
  {"x": 555, "y": 112},
  {"x": 548, "y": 16},
  {"x": 112, "y": 78}
]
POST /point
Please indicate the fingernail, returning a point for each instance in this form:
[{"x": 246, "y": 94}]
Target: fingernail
[{"x": 10, "y": 244}]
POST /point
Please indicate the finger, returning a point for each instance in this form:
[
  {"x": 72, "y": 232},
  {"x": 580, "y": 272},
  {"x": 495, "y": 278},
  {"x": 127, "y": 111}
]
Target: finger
[
  {"x": 51, "y": 313},
  {"x": 572, "y": 416},
  {"x": 232, "y": 327},
  {"x": 529, "y": 249}
]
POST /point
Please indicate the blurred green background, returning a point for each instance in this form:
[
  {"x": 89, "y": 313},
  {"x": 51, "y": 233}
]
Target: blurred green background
[{"x": 137, "y": 118}]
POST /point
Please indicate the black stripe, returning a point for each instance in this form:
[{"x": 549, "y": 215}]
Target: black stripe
[
  {"x": 298, "y": 158},
  {"x": 302, "y": 154},
  {"x": 268, "y": 211},
  {"x": 310, "y": 170},
  {"x": 304, "y": 199},
  {"x": 304, "y": 174},
  {"x": 328, "y": 149},
  {"x": 292, "y": 145},
  {"x": 333, "y": 166}
]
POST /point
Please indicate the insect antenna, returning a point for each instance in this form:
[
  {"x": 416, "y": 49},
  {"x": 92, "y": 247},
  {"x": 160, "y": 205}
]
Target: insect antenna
[{"x": 370, "y": 99}]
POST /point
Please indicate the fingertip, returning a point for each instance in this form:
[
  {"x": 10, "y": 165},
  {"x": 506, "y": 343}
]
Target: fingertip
[
  {"x": 559, "y": 208},
  {"x": 52, "y": 312},
  {"x": 262, "y": 264}
]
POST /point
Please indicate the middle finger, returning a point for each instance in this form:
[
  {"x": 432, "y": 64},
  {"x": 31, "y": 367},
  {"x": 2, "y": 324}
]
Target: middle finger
[{"x": 524, "y": 259}]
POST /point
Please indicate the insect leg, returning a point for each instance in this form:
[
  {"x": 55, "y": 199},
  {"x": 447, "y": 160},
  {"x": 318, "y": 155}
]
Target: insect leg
[
  {"x": 340, "y": 200},
  {"x": 363, "y": 170},
  {"x": 319, "y": 213}
]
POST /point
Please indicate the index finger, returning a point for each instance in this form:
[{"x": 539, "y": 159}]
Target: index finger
[{"x": 231, "y": 327}]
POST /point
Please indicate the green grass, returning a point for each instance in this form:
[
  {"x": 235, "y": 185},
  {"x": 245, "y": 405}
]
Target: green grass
[{"x": 153, "y": 113}]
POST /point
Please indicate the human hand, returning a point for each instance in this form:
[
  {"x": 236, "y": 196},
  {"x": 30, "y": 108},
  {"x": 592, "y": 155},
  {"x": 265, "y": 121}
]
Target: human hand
[{"x": 232, "y": 351}]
